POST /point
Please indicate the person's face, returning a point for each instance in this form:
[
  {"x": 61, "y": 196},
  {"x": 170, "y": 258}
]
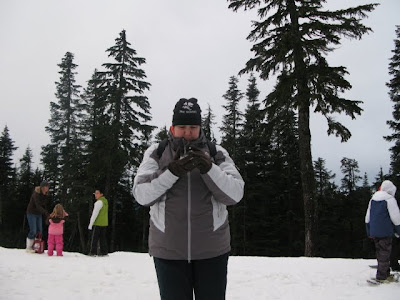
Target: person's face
[
  {"x": 45, "y": 190},
  {"x": 188, "y": 132},
  {"x": 97, "y": 194}
]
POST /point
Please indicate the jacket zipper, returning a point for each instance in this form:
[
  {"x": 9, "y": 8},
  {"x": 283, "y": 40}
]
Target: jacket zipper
[
  {"x": 189, "y": 226},
  {"x": 189, "y": 220}
]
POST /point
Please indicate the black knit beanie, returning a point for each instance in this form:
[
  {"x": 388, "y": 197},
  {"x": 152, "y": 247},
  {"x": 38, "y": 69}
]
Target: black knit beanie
[
  {"x": 187, "y": 112},
  {"x": 44, "y": 183}
]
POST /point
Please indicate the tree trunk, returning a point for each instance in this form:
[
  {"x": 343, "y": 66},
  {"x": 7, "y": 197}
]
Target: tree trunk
[
  {"x": 113, "y": 222},
  {"x": 81, "y": 235},
  {"x": 308, "y": 183},
  {"x": 306, "y": 165}
]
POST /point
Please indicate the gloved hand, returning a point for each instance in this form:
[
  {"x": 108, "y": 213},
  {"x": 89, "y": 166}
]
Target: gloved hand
[
  {"x": 180, "y": 166},
  {"x": 202, "y": 160}
]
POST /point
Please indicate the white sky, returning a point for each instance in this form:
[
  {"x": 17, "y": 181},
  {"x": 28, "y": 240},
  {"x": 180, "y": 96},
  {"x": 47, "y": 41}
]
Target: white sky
[
  {"x": 191, "y": 48},
  {"x": 128, "y": 275}
]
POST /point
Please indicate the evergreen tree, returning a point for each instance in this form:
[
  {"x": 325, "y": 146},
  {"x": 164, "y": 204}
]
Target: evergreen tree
[
  {"x": 379, "y": 178},
  {"x": 349, "y": 168},
  {"x": 208, "y": 122},
  {"x": 293, "y": 38},
  {"x": 96, "y": 122},
  {"x": 162, "y": 134},
  {"x": 250, "y": 141},
  {"x": 65, "y": 157},
  {"x": 7, "y": 171},
  {"x": 26, "y": 174},
  {"x": 394, "y": 94},
  {"x": 365, "y": 183},
  {"x": 231, "y": 123},
  {"x": 282, "y": 131},
  {"x": 323, "y": 177},
  {"x": 27, "y": 180},
  {"x": 230, "y": 130},
  {"x": 122, "y": 88},
  {"x": 252, "y": 135},
  {"x": 61, "y": 157},
  {"x": 356, "y": 202}
]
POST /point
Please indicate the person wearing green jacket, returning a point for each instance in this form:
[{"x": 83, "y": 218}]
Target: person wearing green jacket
[{"x": 98, "y": 224}]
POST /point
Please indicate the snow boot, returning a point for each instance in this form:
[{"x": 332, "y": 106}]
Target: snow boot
[{"x": 29, "y": 244}]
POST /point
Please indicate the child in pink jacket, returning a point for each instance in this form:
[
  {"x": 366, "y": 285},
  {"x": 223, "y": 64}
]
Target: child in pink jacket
[{"x": 56, "y": 230}]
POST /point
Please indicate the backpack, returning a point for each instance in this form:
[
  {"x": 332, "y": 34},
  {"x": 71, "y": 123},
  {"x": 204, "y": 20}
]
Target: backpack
[
  {"x": 38, "y": 244},
  {"x": 161, "y": 147}
]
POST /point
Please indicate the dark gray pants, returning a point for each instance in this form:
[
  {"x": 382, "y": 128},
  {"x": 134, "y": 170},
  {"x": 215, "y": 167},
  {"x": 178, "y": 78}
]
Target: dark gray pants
[
  {"x": 99, "y": 233},
  {"x": 383, "y": 247},
  {"x": 178, "y": 279}
]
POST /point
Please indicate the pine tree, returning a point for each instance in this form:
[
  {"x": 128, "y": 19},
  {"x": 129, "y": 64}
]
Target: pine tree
[
  {"x": 282, "y": 131},
  {"x": 231, "y": 123},
  {"x": 394, "y": 94},
  {"x": 379, "y": 178},
  {"x": 7, "y": 171},
  {"x": 61, "y": 157},
  {"x": 208, "y": 123},
  {"x": 96, "y": 122},
  {"x": 252, "y": 135},
  {"x": 230, "y": 130},
  {"x": 122, "y": 86},
  {"x": 27, "y": 180},
  {"x": 292, "y": 39},
  {"x": 328, "y": 208},
  {"x": 250, "y": 164},
  {"x": 323, "y": 177},
  {"x": 356, "y": 202},
  {"x": 162, "y": 134},
  {"x": 349, "y": 168}
]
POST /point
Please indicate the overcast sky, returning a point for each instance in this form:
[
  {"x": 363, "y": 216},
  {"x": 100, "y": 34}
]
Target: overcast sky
[{"x": 191, "y": 49}]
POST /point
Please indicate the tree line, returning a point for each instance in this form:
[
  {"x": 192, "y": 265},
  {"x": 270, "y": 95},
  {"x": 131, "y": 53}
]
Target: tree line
[{"x": 291, "y": 205}]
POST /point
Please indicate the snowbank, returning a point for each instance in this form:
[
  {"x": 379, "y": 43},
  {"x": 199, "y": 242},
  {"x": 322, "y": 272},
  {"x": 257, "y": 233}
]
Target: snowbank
[{"x": 126, "y": 275}]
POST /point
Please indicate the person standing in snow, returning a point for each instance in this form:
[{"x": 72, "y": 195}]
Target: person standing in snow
[
  {"x": 98, "y": 224},
  {"x": 37, "y": 208},
  {"x": 188, "y": 188},
  {"x": 382, "y": 222},
  {"x": 56, "y": 229}
]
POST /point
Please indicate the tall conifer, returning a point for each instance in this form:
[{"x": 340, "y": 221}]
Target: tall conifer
[
  {"x": 231, "y": 123},
  {"x": 292, "y": 39},
  {"x": 394, "y": 94},
  {"x": 122, "y": 87},
  {"x": 7, "y": 170},
  {"x": 61, "y": 157},
  {"x": 208, "y": 123}
]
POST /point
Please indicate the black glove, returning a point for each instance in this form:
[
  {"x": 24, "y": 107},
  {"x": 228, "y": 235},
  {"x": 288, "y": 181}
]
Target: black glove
[
  {"x": 202, "y": 160},
  {"x": 180, "y": 166}
]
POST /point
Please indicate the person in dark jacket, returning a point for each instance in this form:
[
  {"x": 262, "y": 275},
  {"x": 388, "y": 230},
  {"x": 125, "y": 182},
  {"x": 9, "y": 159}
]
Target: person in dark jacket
[
  {"x": 383, "y": 222},
  {"x": 37, "y": 208},
  {"x": 188, "y": 191}
]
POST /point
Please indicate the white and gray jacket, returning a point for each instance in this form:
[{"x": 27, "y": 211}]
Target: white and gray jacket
[{"x": 188, "y": 215}]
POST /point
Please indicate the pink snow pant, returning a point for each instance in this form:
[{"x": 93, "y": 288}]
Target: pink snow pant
[{"x": 56, "y": 241}]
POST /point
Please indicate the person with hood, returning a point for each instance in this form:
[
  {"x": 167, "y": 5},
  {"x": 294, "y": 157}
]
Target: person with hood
[
  {"x": 382, "y": 223},
  {"x": 37, "y": 208},
  {"x": 56, "y": 230},
  {"x": 188, "y": 189}
]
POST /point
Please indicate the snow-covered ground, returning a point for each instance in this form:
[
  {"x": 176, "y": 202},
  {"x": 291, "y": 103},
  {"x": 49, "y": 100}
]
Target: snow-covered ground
[{"x": 127, "y": 275}]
